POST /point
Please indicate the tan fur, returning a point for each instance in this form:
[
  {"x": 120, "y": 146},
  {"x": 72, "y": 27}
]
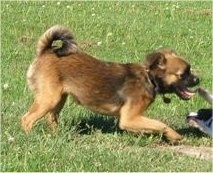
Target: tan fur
[{"x": 123, "y": 90}]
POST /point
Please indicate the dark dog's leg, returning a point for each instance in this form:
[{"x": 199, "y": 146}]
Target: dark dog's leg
[
  {"x": 44, "y": 103},
  {"x": 131, "y": 120},
  {"x": 52, "y": 116}
]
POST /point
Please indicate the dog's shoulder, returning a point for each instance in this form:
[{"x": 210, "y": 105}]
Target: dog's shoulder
[{"x": 137, "y": 82}]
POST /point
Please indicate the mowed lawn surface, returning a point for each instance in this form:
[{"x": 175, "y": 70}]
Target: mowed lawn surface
[{"x": 112, "y": 31}]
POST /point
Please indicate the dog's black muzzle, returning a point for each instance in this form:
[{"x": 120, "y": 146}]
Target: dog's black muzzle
[
  {"x": 192, "y": 80},
  {"x": 181, "y": 87}
]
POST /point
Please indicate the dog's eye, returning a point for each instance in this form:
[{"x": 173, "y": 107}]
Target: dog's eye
[
  {"x": 185, "y": 74},
  {"x": 181, "y": 76}
]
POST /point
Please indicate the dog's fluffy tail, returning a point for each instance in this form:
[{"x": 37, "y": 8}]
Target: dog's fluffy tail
[{"x": 57, "y": 32}]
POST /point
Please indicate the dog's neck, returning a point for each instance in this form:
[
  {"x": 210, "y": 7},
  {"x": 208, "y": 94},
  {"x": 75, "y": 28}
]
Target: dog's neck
[
  {"x": 157, "y": 85},
  {"x": 154, "y": 82}
]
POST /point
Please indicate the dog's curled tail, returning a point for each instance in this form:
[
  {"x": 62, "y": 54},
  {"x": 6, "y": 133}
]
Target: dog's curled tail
[{"x": 57, "y": 32}]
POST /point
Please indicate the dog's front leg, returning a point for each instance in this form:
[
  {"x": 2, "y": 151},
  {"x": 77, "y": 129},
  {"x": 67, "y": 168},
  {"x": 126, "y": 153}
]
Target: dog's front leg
[{"x": 131, "y": 120}]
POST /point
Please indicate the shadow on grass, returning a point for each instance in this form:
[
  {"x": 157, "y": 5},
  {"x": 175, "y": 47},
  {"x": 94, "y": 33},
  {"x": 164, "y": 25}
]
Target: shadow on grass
[
  {"x": 87, "y": 125},
  {"x": 109, "y": 124},
  {"x": 191, "y": 132}
]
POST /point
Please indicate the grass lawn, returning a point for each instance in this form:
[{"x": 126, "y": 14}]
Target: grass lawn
[{"x": 112, "y": 31}]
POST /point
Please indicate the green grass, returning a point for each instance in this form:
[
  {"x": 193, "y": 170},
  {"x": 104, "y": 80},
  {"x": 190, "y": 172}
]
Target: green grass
[{"x": 125, "y": 32}]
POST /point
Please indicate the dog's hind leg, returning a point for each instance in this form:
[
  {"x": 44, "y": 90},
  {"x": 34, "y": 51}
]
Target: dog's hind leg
[
  {"x": 52, "y": 116},
  {"x": 44, "y": 102},
  {"x": 131, "y": 120}
]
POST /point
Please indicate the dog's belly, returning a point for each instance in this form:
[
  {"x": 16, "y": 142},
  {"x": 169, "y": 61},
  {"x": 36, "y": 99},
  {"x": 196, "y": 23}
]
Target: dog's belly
[
  {"x": 109, "y": 109},
  {"x": 102, "y": 102},
  {"x": 105, "y": 107},
  {"x": 109, "y": 106}
]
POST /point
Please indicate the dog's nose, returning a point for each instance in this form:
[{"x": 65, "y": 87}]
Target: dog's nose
[{"x": 196, "y": 80}]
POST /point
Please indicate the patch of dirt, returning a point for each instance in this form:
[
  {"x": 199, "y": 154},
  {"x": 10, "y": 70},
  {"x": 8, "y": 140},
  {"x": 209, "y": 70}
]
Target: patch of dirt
[
  {"x": 26, "y": 39},
  {"x": 197, "y": 152},
  {"x": 87, "y": 44},
  {"x": 206, "y": 12}
]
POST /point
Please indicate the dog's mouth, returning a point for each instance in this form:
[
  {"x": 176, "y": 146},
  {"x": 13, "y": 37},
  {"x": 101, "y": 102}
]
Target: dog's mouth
[{"x": 184, "y": 93}]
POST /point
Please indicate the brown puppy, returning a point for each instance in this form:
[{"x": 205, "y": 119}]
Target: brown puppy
[{"x": 124, "y": 90}]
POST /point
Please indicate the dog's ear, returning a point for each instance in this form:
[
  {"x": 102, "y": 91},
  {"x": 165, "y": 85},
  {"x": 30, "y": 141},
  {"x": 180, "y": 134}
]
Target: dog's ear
[{"x": 155, "y": 60}]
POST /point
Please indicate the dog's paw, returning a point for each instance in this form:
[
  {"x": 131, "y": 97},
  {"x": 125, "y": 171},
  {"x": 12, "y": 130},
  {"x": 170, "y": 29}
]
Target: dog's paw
[
  {"x": 25, "y": 125},
  {"x": 173, "y": 136}
]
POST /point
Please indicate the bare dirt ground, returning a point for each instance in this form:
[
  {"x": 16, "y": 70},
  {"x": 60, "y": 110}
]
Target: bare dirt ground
[{"x": 198, "y": 152}]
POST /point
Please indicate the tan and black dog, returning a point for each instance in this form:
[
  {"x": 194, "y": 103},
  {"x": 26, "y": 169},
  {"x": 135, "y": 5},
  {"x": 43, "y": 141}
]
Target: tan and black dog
[{"x": 124, "y": 90}]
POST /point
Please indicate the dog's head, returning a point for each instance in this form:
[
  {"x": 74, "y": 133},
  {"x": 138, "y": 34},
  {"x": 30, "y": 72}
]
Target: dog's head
[{"x": 170, "y": 73}]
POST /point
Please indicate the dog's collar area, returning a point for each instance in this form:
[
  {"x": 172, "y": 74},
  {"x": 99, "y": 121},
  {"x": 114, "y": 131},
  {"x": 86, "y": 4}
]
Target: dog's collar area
[
  {"x": 157, "y": 87},
  {"x": 154, "y": 82}
]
